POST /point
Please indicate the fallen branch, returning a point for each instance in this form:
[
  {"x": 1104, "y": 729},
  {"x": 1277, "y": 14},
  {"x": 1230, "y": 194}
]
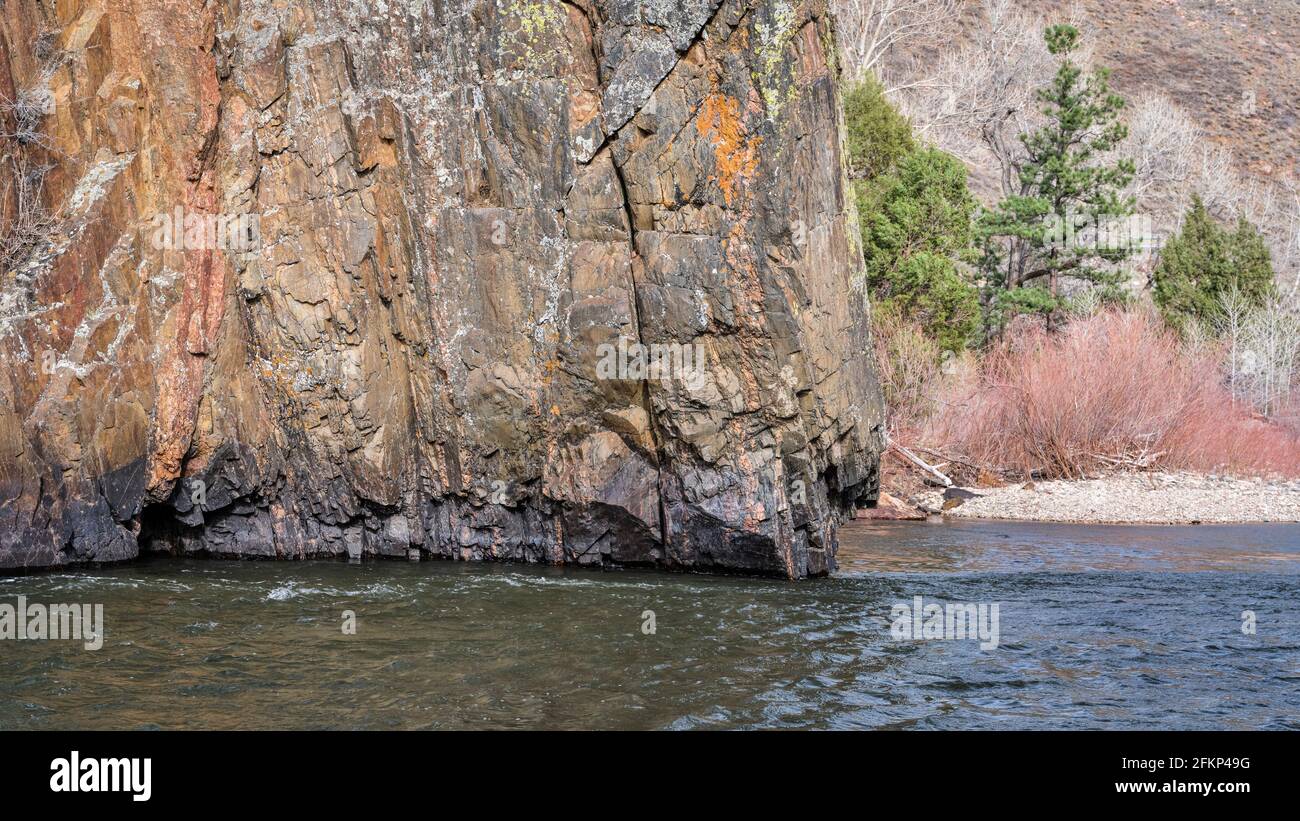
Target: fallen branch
[
  {"x": 918, "y": 462},
  {"x": 961, "y": 462},
  {"x": 1142, "y": 461}
]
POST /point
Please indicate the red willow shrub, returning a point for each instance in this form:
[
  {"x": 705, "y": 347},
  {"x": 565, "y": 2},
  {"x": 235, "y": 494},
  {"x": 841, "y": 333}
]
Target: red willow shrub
[{"x": 1112, "y": 391}]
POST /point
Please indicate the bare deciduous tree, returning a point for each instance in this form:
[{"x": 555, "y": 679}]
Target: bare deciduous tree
[
  {"x": 1231, "y": 326},
  {"x": 1273, "y": 341},
  {"x": 980, "y": 97},
  {"x": 1263, "y": 352},
  {"x": 871, "y": 29},
  {"x": 1289, "y": 257},
  {"x": 1164, "y": 144}
]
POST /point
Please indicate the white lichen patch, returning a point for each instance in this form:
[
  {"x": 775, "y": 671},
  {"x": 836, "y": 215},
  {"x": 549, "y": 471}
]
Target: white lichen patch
[{"x": 93, "y": 185}]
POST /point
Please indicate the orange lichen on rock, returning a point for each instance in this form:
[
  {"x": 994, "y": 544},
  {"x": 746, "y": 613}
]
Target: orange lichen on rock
[{"x": 735, "y": 156}]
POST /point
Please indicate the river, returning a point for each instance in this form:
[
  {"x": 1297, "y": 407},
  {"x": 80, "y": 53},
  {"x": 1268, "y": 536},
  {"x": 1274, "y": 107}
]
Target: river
[{"x": 1098, "y": 627}]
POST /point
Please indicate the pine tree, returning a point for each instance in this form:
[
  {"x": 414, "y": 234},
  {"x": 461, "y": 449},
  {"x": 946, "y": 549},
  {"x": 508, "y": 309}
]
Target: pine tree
[
  {"x": 1066, "y": 182},
  {"x": 1205, "y": 262}
]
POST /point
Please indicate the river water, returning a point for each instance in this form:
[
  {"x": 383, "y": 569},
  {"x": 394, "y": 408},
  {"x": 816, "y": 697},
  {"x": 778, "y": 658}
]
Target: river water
[{"x": 1099, "y": 627}]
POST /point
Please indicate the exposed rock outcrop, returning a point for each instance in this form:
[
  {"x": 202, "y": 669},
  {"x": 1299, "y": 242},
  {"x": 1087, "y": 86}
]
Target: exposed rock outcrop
[{"x": 421, "y": 254}]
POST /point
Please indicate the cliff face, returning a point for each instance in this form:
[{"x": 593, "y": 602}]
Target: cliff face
[{"x": 488, "y": 279}]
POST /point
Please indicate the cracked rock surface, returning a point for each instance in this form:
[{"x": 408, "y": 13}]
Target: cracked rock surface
[{"x": 461, "y": 208}]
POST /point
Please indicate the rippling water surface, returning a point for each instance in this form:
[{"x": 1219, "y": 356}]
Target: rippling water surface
[{"x": 1101, "y": 627}]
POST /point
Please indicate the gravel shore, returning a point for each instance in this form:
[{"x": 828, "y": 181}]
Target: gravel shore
[{"x": 1152, "y": 498}]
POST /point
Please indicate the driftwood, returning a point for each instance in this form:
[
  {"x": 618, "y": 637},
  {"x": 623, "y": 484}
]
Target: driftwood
[
  {"x": 961, "y": 462},
  {"x": 1141, "y": 461},
  {"x": 915, "y": 460}
]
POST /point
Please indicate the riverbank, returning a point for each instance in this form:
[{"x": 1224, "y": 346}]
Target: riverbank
[{"x": 1131, "y": 498}]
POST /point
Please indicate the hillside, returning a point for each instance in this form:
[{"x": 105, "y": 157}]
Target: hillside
[{"x": 1233, "y": 64}]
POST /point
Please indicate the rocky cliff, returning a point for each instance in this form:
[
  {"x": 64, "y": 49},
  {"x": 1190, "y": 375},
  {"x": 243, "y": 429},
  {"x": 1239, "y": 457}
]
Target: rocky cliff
[{"x": 569, "y": 282}]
